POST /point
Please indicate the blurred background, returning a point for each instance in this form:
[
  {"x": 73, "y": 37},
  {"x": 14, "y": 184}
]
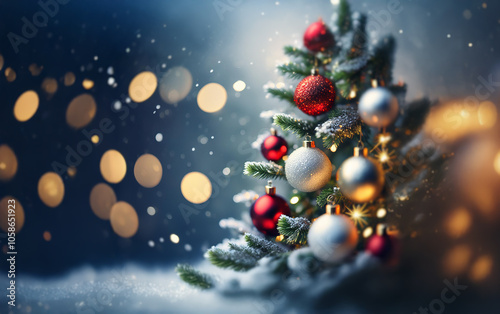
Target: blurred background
[{"x": 184, "y": 81}]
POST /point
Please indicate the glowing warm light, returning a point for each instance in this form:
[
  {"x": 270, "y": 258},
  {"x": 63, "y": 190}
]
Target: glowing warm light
[
  {"x": 333, "y": 149},
  {"x": 457, "y": 259},
  {"x": 367, "y": 232},
  {"x": 124, "y": 219},
  {"x": 71, "y": 171},
  {"x": 69, "y": 79},
  {"x": 87, "y": 84},
  {"x": 212, "y": 97},
  {"x": 4, "y": 213},
  {"x": 352, "y": 94},
  {"x": 51, "y": 189},
  {"x": 49, "y": 85},
  {"x": 35, "y": 69},
  {"x": 481, "y": 268},
  {"x": 358, "y": 214},
  {"x": 175, "y": 85},
  {"x": 487, "y": 114},
  {"x": 383, "y": 157},
  {"x": 142, "y": 86},
  {"x": 102, "y": 199},
  {"x": 458, "y": 222},
  {"x": 26, "y": 106},
  {"x": 10, "y": 75},
  {"x": 113, "y": 166},
  {"x": 497, "y": 163},
  {"x": 196, "y": 187},
  {"x": 239, "y": 85},
  {"x": 384, "y": 138},
  {"x": 374, "y": 83},
  {"x": 280, "y": 238},
  {"x": 294, "y": 200},
  {"x": 81, "y": 111},
  {"x": 8, "y": 163},
  {"x": 95, "y": 139},
  {"x": 381, "y": 213},
  {"x": 47, "y": 236},
  {"x": 174, "y": 238},
  {"x": 148, "y": 171}
]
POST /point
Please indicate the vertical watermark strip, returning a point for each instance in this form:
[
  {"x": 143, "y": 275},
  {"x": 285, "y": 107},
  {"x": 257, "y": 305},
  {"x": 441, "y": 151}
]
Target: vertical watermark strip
[{"x": 11, "y": 252}]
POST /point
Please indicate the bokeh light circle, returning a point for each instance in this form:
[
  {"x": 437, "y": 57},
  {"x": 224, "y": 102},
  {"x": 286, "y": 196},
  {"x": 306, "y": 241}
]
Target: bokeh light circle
[
  {"x": 69, "y": 79},
  {"x": 212, "y": 97},
  {"x": 49, "y": 85},
  {"x": 102, "y": 198},
  {"x": 175, "y": 85},
  {"x": 51, "y": 189},
  {"x": 124, "y": 219},
  {"x": 8, "y": 163},
  {"x": 4, "y": 212},
  {"x": 26, "y": 106},
  {"x": 196, "y": 187},
  {"x": 142, "y": 86},
  {"x": 81, "y": 111},
  {"x": 113, "y": 166},
  {"x": 148, "y": 171}
]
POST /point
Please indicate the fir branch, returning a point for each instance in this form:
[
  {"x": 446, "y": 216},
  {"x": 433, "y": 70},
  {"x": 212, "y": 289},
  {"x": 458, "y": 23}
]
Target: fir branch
[
  {"x": 265, "y": 246},
  {"x": 282, "y": 94},
  {"x": 382, "y": 60},
  {"x": 335, "y": 195},
  {"x": 237, "y": 260},
  {"x": 194, "y": 277},
  {"x": 298, "y": 127},
  {"x": 306, "y": 56},
  {"x": 264, "y": 170},
  {"x": 343, "y": 124},
  {"x": 344, "y": 22},
  {"x": 294, "y": 229},
  {"x": 294, "y": 70}
]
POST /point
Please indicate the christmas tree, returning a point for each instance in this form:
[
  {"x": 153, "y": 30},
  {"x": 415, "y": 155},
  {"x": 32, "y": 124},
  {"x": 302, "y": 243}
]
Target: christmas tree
[{"x": 342, "y": 217}]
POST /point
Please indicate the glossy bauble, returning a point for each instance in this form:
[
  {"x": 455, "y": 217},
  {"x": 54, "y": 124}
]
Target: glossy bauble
[
  {"x": 315, "y": 95},
  {"x": 267, "y": 210},
  {"x": 378, "y": 107},
  {"x": 318, "y": 37},
  {"x": 274, "y": 147}
]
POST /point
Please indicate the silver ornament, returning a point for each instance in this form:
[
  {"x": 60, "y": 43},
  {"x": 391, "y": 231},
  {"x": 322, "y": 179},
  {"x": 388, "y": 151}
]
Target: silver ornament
[
  {"x": 308, "y": 169},
  {"x": 360, "y": 179},
  {"x": 378, "y": 107},
  {"x": 332, "y": 238}
]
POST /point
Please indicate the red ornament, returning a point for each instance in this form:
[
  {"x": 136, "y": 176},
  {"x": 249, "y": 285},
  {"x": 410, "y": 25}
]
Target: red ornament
[
  {"x": 381, "y": 244},
  {"x": 274, "y": 147},
  {"x": 267, "y": 210},
  {"x": 315, "y": 95},
  {"x": 318, "y": 37}
]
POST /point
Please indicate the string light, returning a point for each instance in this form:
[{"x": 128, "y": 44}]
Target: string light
[
  {"x": 333, "y": 149},
  {"x": 358, "y": 214},
  {"x": 294, "y": 200}
]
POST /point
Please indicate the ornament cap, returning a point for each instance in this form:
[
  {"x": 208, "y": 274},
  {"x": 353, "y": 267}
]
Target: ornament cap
[
  {"x": 333, "y": 209},
  {"x": 274, "y": 132},
  {"x": 308, "y": 143},
  {"x": 381, "y": 229},
  {"x": 315, "y": 70},
  {"x": 358, "y": 150},
  {"x": 270, "y": 189}
]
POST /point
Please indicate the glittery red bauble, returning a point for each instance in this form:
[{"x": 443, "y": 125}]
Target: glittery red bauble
[
  {"x": 318, "y": 37},
  {"x": 382, "y": 246},
  {"x": 274, "y": 147},
  {"x": 315, "y": 95},
  {"x": 266, "y": 212}
]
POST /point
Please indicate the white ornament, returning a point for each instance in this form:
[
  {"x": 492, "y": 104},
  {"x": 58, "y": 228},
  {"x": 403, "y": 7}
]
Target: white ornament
[
  {"x": 308, "y": 169},
  {"x": 332, "y": 238},
  {"x": 378, "y": 107}
]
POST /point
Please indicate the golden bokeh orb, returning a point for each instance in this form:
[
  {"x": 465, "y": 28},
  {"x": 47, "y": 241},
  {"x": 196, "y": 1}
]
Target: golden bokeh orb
[
  {"x": 10, "y": 75},
  {"x": 69, "y": 79},
  {"x": 148, "y": 171},
  {"x": 81, "y": 111},
  {"x": 102, "y": 198},
  {"x": 212, "y": 97},
  {"x": 49, "y": 85},
  {"x": 142, "y": 86},
  {"x": 196, "y": 187},
  {"x": 9, "y": 202},
  {"x": 87, "y": 84},
  {"x": 113, "y": 166},
  {"x": 51, "y": 189},
  {"x": 124, "y": 219},
  {"x": 8, "y": 163},
  {"x": 26, "y": 106}
]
